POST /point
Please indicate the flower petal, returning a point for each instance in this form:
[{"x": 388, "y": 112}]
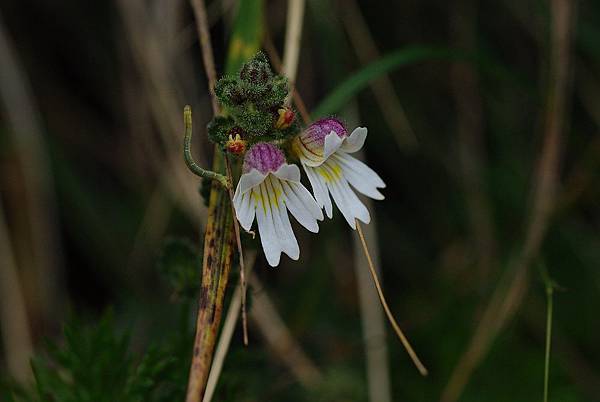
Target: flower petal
[
  {"x": 245, "y": 207},
  {"x": 310, "y": 157},
  {"x": 355, "y": 141},
  {"x": 319, "y": 189},
  {"x": 363, "y": 178},
  {"x": 302, "y": 205},
  {"x": 288, "y": 172},
  {"x": 345, "y": 199},
  {"x": 266, "y": 226},
  {"x": 285, "y": 235},
  {"x": 249, "y": 180},
  {"x": 332, "y": 144}
]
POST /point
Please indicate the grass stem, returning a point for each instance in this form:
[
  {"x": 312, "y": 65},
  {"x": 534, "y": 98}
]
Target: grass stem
[{"x": 386, "y": 308}]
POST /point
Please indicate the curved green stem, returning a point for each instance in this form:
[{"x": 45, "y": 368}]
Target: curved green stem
[{"x": 189, "y": 160}]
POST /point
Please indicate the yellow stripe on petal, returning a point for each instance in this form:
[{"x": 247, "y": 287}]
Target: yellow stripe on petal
[
  {"x": 258, "y": 198},
  {"x": 274, "y": 193},
  {"x": 330, "y": 172}
]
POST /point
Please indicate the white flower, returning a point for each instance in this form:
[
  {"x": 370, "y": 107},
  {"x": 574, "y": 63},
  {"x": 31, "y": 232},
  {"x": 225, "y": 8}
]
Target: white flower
[
  {"x": 323, "y": 149},
  {"x": 268, "y": 188}
]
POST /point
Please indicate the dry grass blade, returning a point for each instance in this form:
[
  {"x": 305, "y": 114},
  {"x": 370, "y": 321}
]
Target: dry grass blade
[
  {"x": 154, "y": 68},
  {"x": 207, "y": 54},
  {"x": 276, "y": 61},
  {"x": 293, "y": 38},
  {"x": 14, "y": 322},
  {"x": 509, "y": 294},
  {"x": 40, "y": 200},
  {"x": 280, "y": 339},
  {"x": 386, "y": 308}
]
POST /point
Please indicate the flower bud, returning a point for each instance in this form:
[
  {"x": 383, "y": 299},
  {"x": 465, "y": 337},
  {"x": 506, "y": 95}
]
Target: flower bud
[
  {"x": 257, "y": 70},
  {"x": 285, "y": 119},
  {"x": 236, "y": 145}
]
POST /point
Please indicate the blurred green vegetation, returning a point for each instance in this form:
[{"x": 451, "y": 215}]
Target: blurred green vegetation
[{"x": 109, "y": 80}]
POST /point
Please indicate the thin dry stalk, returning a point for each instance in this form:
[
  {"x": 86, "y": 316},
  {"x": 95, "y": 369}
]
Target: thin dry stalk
[
  {"x": 24, "y": 119},
  {"x": 470, "y": 140},
  {"x": 153, "y": 60},
  {"x": 293, "y": 39},
  {"x": 236, "y": 228},
  {"x": 16, "y": 335},
  {"x": 374, "y": 336},
  {"x": 383, "y": 88},
  {"x": 280, "y": 339},
  {"x": 276, "y": 61},
  {"x": 207, "y": 53},
  {"x": 371, "y": 312},
  {"x": 510, "y": 293},
  {"x": 388, "y": 312}
]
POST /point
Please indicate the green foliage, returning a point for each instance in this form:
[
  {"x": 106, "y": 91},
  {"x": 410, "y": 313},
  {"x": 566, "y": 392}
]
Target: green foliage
[
  {"x": 219, "y": 128},
  {"x": 94, "y": 364},
  {"x": 252, "y": 101},
  {"x": 179, "y": 263}
]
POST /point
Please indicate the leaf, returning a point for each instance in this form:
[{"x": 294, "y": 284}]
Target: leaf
[
  {"x": 246, "y": 36},
  {"x": 358, "y": 81},
  {"x": 94, "y": 364},
  {"x": 361, "y": 79}
]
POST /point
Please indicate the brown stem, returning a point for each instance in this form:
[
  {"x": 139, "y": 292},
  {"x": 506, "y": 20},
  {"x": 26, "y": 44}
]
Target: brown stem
[
  {"x": 218, "y": 245},
  {"x": 470, "y": 140},
  {"x": 509, "y": 294},
  {"x": 207, "y": 53},
  {"x": 218, "y": 252},
  {"x": 276, "y": 60},
  {"x": 209, "y": 65}
]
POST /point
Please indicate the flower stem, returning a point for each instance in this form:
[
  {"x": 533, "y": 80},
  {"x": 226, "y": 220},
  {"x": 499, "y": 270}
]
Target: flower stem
[
  {"x": 187, "y": 153},
  {"x": 389, "y": 314},
  {"x": 236, "y": 228}
]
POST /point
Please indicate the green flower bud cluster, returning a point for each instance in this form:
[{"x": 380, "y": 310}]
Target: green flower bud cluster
[{"x": 254, "y": 108}]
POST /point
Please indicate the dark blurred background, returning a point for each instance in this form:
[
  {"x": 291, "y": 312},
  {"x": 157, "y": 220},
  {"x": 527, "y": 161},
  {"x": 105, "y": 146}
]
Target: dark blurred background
[{"x": 92, "y": 182}]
